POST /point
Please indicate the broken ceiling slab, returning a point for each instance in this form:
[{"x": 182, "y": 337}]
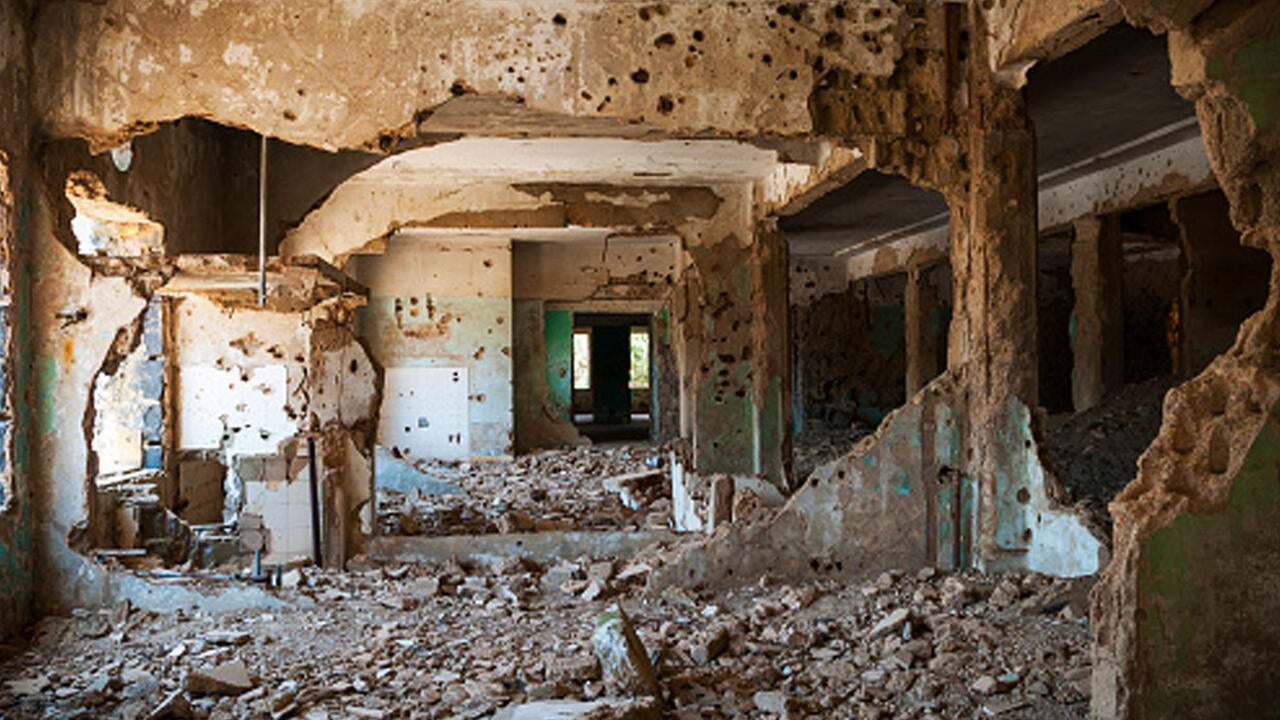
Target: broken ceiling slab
[
  {"x": 233, "y": 281},
  {"x": 504, "y": 116},
  {"x": 103, "y": 227}
]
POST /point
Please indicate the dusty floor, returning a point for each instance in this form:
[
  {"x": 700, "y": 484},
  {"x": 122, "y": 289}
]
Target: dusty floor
[
  {"x": 1095, "y": 453},
  {"x": 454, "y": 642}
]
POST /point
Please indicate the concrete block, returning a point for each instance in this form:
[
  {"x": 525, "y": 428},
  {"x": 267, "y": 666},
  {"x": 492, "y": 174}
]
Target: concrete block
[
  {"x": 229, "y": 678},
  {"x": 624, "y": 662}
]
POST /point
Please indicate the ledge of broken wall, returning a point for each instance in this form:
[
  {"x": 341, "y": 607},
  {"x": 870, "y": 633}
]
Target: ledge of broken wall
[
  {"x": 1183, "y": 616},
  {"x": 901, "y": 499}
]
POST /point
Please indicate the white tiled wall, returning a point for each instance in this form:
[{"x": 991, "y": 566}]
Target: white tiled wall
[{"x": 285, "y": 508}]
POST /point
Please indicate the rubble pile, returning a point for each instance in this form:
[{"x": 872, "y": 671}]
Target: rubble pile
[
  {"x": 1095, "y": 452},
  {"x": 577, "y": 639},
  {"x": 568, "y": 489},
  {"x": 818, "y": 446}
]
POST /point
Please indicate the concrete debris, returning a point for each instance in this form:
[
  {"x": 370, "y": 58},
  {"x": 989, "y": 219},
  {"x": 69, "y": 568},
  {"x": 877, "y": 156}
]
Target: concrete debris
[
  {"x": 625, "y": 664},
  {"x": 772, "y": 702},
  {"x": 453, "y": 640},
  {"x": 582, "y": 488},
  {"x": 229, "y": 678},
  {"x": 574, "y": 710}
]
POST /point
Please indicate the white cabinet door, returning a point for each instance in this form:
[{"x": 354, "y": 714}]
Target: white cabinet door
[{"x": 424, "y": 413}]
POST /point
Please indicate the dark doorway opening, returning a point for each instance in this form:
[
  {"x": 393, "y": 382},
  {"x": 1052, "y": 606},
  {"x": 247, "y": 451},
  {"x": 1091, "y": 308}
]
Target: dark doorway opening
[{"x": 612, "y": 368}]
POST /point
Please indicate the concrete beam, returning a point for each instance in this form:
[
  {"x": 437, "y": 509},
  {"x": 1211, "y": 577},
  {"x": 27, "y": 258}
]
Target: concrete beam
[
  {"x": 308, "y": 73},
  {"x": 924, "y": 247},
  {"x": 1153, "y": 168},
  {"x": 1167, "y": 162}
]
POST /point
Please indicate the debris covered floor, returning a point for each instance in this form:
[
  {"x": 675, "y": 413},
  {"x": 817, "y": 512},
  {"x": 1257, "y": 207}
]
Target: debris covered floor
[
  {"x": 616, "y": 486},
  {"x": 447, "y": 641},
  {"x": 923, "y": 322}
]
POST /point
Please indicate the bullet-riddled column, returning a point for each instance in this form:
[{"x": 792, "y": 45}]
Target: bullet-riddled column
[
  {"x": 1097, "y": 335},
  {"x": 994, "y": 260},
  {"x": 735, "y": 379}
]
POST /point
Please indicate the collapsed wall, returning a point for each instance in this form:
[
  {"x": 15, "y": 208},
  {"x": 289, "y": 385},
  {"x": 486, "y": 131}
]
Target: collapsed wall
[
  {"x": 18, "y": 517},
  {"x": 1182, "y": 615}
]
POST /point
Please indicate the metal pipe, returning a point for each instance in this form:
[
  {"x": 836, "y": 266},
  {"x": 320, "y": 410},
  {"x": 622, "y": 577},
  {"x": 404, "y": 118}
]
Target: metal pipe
[
  {"x": 262, "y": 224},
  {"x": 313, "y": 476}
]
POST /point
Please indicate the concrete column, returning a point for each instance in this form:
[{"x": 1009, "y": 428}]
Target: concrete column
[
  {"x": 736, "y": 403},
  {"x": 994, "y": 325},
  {"x": 1097, "y": 335},
  {"x": 664, "y": 380},
  {"x": 771, "y": 354},
  {"x": 919, "y": 302},
  {"x": 1225, "y": 281}
]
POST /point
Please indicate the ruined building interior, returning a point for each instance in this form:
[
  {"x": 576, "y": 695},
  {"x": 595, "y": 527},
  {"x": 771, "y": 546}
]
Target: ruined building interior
[{"x": 632, "y": 359}]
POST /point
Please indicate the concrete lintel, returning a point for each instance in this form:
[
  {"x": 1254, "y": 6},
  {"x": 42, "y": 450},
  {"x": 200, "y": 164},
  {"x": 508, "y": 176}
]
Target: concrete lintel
[
  {"x": 1132, "y": 175},
  {"x": 922, "y": 248}
]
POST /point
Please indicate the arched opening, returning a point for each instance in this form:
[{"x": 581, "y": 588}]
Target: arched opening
[
  {"x": 871, "y": 308},
  {"x": 1142, "y": 278}
]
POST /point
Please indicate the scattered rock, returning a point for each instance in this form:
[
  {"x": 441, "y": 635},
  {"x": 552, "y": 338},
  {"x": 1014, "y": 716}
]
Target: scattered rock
[
  {"x": 229, "y": 678},
  {"x": 772, "y": 702},
  {"x": 891, "y": 622},
  {"x": 624, "y": 663}
]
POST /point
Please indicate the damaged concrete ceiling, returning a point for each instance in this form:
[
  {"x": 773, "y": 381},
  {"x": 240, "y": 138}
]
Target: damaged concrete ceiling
[
  {"x": 1107, "y": 94},
  {"x": 610, "y": 161}
]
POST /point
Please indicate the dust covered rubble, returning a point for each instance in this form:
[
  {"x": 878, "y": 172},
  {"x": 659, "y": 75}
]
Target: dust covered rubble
[
  {"x": 610, "y": 487},
  {"x": 515, "y": 640}
]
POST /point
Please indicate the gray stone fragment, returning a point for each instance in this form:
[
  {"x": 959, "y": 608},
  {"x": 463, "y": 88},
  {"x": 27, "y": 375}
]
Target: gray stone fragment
[
  {"x": 229, "y": 678},
  {"x": 623, "y": 660}
]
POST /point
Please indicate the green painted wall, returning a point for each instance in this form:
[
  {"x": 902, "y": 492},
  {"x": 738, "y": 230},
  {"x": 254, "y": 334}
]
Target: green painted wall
[
  {"x": 1253, "y": 72},
  {"x": 1208, "y": 636},
  {"x": 558, "y": 339}
]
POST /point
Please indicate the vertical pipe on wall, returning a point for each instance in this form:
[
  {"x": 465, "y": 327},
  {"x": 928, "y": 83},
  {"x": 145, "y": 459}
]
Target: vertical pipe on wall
[
  {"x": 313, "y": 480},
  {"x": 262, "y": 224}
]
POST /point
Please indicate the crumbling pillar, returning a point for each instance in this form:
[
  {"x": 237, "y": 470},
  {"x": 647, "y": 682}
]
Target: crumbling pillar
[
  {"x": 919, "y": 303},
  {"x": 736, "y": 405},
  {"x": 663, "y": 384},
  {"x": 1224, "y": 283},
  {"x": 994, "y": 260},
  {"x": 1097, "y": 337}
]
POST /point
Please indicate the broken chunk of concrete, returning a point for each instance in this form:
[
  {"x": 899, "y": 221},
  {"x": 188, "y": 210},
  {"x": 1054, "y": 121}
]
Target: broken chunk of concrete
[
  {"x": 709, "y": 645},
  {"x": 608, "y": 709},
  {"x": 985, "y": 685},
  {"x": 890, "y": 623},
  {"x": 173, "y": 707},
  {"x": 623, "y": 660},
  {"x": 772, "y": 702},
  {"x": 28, "y": 686},
  {"x": 229, "y": 678},
  {"x": 227, "y": 637}
]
